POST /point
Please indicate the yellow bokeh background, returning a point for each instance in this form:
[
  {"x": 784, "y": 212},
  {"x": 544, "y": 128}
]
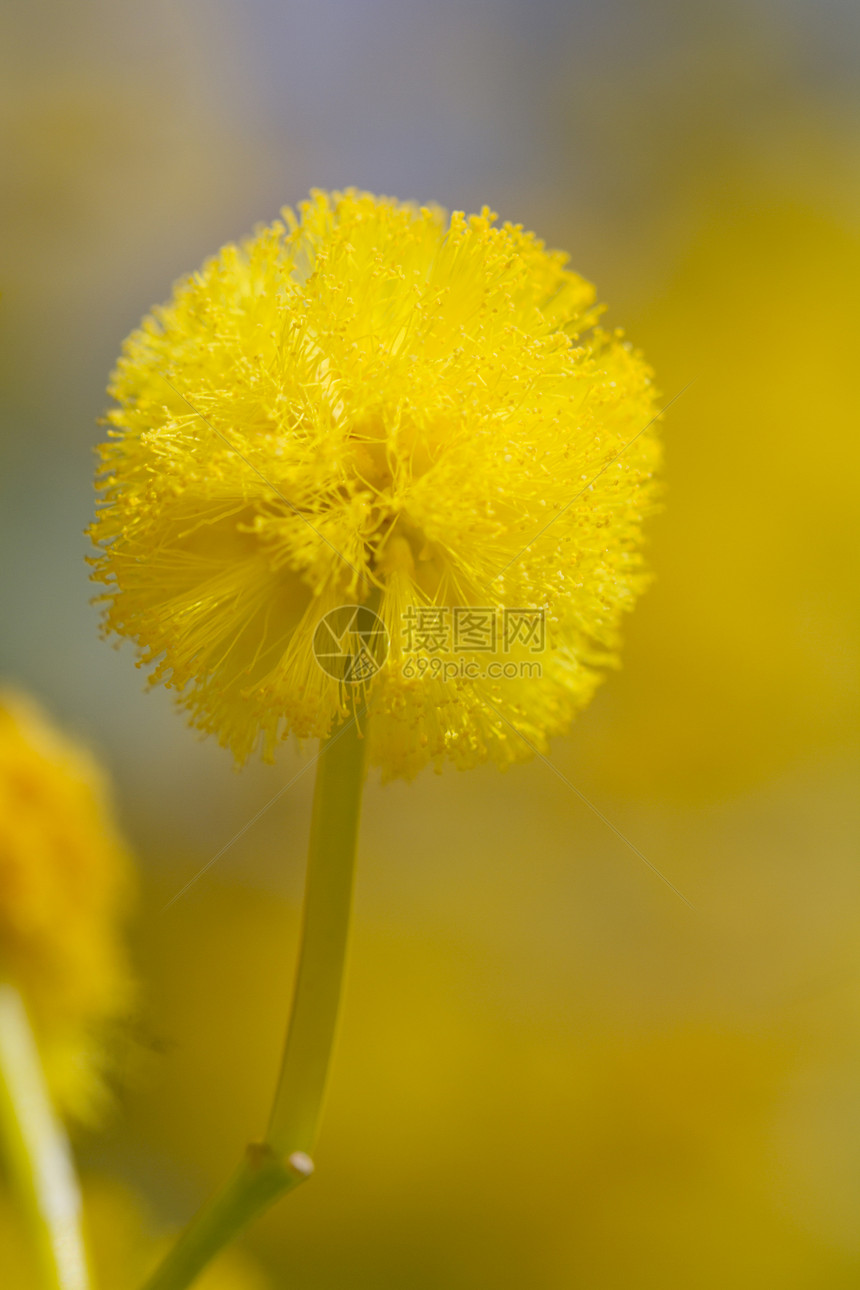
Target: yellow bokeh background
[{"x": 552, "y": 1071}]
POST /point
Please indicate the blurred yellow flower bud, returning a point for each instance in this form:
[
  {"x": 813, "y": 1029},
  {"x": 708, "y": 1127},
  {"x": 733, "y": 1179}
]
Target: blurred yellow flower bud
[
  {"x": 64, "y": 884},
  {"x": 373, "y": 403}
]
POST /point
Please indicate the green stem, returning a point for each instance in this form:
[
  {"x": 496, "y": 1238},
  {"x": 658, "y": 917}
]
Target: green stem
[
  {"x": 279, "y": 1164},
  {"x": 297, "y": 1108},
  {"x": 36, "y": 1154}
]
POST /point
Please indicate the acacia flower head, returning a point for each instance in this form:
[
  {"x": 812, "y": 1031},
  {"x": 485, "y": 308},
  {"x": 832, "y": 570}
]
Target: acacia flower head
[
  {"x": 64, "y": 881},
  {"x": 372, "y": 403}
]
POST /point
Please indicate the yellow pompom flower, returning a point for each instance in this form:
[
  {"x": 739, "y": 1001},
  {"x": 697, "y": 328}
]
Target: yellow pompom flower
[
  {"x": 371, "y": 402},
  {"x": 64, "y": 882}
]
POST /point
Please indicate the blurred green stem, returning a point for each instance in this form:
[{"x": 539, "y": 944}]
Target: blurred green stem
[
  {"x": 36, "y": 1155},
  {"x": 282, "y": 1161}
]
